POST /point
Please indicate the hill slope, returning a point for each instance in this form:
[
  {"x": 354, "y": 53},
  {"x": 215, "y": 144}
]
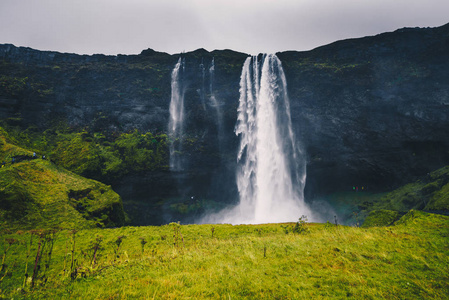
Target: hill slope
[
  {"x": 429, "y": 194},
  {"x": 35, "y": 193}
]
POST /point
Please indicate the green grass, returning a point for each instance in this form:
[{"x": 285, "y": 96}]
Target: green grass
[
  {"x": 382, "y": 217},
  {"x": 431, "y": 193},
  {"x": 405, "y": 261}
]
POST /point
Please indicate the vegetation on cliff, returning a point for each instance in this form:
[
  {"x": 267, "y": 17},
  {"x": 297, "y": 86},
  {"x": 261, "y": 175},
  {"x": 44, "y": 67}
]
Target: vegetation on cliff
[
  {"x": 361, "y": 207},
  {"x": 35, "y": 193},
  {"x": 110, "y": 157},
  {"x": 98, "y": 155},
  {"x": 429, "y": 194}
]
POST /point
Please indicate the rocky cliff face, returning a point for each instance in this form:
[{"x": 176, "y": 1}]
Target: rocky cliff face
[
  {"x": 373, "y": 111},
  {"x": 369, "y": 112}
]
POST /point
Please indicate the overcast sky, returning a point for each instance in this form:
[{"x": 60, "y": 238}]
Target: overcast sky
[{"x": 173, "y": 26}]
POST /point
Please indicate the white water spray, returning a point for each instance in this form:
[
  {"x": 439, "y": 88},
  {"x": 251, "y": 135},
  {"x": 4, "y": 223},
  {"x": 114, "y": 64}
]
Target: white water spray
[
  {"x": 176, "y": 120},
  {"x": 270, "y": 166}
]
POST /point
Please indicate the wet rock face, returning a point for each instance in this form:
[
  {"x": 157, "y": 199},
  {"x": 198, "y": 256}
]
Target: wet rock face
[
  {"x": 372, "y": 111},
  {"x": 369, "y": 112}
]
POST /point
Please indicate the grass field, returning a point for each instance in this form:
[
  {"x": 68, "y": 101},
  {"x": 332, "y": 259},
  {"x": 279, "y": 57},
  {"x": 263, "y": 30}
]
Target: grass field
[{"x": 409, "y": 260}]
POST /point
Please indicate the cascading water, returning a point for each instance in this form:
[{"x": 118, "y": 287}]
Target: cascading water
[
  {"x": 176, "y": 119},
  {"x": 214, "y": 103},
  {"x": 270, "y": 166},
  {"x": 203, "y": 80}
]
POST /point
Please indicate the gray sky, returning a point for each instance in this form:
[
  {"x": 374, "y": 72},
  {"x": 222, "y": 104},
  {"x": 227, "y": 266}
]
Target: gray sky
[{"x": 173, "y": 26}]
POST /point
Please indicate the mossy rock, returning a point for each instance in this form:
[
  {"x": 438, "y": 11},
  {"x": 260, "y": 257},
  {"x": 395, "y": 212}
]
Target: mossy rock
[
  {"x": 382, "y": 217},
  {"x": 409, "y": 217},
  {"x": 89, "y": 154},
  {"x": 35, "y": 193},
  {"x": 39, "y": 194},
  {"x": 440, "y": 200},
  {"x": 423, "y": 220},
  {"x": 429, "y": 194}
]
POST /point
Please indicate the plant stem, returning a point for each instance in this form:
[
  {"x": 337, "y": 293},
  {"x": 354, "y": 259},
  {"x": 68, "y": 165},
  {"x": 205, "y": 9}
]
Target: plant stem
[
  {"x": 36, "y": 262},
  {"x": 26, "y": 261}
]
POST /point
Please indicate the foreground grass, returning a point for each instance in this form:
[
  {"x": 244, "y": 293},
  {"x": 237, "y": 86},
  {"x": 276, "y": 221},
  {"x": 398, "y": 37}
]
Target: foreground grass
[{"x": 406, "y": 261}]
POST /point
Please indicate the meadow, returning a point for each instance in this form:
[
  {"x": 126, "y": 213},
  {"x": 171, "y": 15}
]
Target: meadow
[{"x": 409, "y": 260}]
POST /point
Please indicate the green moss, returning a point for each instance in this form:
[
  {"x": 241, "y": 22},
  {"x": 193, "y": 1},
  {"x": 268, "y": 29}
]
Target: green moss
[
  {"x": 93, "y": 154},
  {"x": 381, "y": 217},
  {"x": 440, "y": 199},
  {"x": 422, "y": 222},
  {"x": 13, "y": 86},
  {"x": 36, "y": 193},
  {"x": 430, "y": 193},
  {"x": 439, "y": 173}
]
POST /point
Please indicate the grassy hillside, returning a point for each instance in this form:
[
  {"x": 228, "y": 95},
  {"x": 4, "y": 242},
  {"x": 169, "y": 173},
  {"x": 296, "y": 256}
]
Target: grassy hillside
[
  {"x": 35, "y": 193},
  {"x": 406, "y": 261},
  {"x": 431, "y": 194}
]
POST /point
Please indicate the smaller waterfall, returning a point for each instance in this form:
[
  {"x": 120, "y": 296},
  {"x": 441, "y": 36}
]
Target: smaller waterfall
[
  {"x": 176, "y": 119},
  {"x": 213, "y": 100},
  {"x": 214, "y": 103},
  {"x": 203, "y": 84}
]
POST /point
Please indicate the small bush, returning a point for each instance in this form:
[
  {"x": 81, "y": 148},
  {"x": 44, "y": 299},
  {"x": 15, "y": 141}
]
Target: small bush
[{"x": 301, "y": 226}]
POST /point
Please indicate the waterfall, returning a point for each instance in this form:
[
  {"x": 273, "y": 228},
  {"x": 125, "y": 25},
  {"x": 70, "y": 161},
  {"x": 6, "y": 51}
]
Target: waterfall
[
  {"x": 203, "y": 80},
  {"x": 214, "y": 103},
  {"x": 211, "y": 82},
  {"x": 270, "y": 166},
  {"x": 176, "y": 119}
]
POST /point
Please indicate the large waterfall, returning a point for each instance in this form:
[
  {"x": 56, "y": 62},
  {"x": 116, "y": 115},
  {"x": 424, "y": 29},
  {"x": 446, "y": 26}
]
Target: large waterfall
[
  {"x": 270, "y": 166},
  {"x": 176, "y": 120}
]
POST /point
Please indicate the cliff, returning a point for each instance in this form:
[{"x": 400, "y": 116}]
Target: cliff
[
  {"x": 373, "y": 111},
  {"x": 369, "y": 112}
]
